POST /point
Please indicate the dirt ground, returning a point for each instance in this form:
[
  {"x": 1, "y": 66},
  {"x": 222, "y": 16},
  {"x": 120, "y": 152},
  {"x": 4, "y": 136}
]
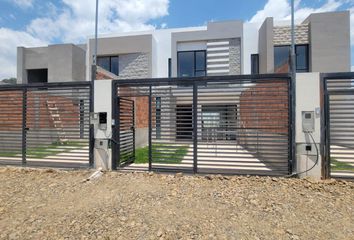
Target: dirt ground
[{"x": 53, "y": 204}]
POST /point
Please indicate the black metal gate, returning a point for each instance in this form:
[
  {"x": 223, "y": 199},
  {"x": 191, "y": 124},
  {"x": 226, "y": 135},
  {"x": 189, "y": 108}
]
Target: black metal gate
[
  {"x": 126, "y": 131},
  {"x": 228, "y": 124},
  {"x": 46, "y": 125},
  {"x": 338, "y": 125}
]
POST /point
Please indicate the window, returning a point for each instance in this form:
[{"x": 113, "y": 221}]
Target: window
[
  {"x": 191, "y": 63},
  {"x": 302, "y": 58},
  {"x": 169, "y": 68},
  {"x": 282, "y": 58},
  {"x": 37, "y": 75},
  {"x": 254, "y": 63},
  {"x": 109, "y": 63}
]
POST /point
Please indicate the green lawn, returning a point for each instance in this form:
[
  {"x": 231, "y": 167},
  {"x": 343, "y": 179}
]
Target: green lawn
[
  {"x": 161, "y": 154},
  {"x": 46, "y": 150},
  {"x": 340, "y": 166}
]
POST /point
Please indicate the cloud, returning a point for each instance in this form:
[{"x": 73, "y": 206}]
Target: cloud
[
  {"x": 74, "y": 21},
  {"x": 23, "y": 3},
  {"x": 9, "y": 40},
  {"x": 281, "y": 10}
]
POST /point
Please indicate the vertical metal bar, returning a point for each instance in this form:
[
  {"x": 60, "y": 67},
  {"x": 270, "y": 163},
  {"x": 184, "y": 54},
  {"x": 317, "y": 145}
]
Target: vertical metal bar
[
  {"x": 115, "y": 127},
  {"x": 328, "y": 129},
  {"x": 24, "y": 126},
  {"x": 293, "y": 86},
  {"x": 290, "y": 127},
  {"x": 91, "y": 130},
  {"x": 195, "y": 127},
  {"x": 133, "y": 112},
  {"x": 150, "y": 128}
]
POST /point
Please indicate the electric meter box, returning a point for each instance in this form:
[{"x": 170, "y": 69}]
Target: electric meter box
[{"x": 308, "y": 121}]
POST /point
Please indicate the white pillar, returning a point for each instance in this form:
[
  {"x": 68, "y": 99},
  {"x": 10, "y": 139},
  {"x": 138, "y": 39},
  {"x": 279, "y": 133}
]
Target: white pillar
[
  {"x": 308, "y": 99},
  {"x": 103, "y": 103}
]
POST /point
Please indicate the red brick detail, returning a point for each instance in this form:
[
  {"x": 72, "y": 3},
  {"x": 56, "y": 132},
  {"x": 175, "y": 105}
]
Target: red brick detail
[
  {"x": 265, "y": 107},
  {"x": 38, "y": 115}
]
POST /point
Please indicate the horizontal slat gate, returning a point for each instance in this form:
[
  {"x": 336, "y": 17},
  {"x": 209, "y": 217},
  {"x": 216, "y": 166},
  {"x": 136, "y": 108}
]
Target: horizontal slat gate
[
  {"x": 11, "y": 131},
  {"x": 216, "y": 125},
  {"x": 49, "y": 125},
  {"x": 340, "y": 122}
]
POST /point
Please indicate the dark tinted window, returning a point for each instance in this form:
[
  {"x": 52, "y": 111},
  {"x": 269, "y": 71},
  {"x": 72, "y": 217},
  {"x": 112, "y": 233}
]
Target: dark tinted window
[
  {"x": 302, "y": 61},
  {"x": 191, "y": 64},
  {"x": 109, "y": 63},
  {"x": 37, "y": 76},
  {"x": 254, "y": 64},
  {"x": 114, "y": 65},
  {"x": 169, "y": 68},
  {"x": 281, "y": 59},
  {"x": 103, "y": 62},
  {"x": 185, "y": 64}
]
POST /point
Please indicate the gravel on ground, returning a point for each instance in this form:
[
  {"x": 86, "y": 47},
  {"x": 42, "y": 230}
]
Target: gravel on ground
[{"x": 60, "y": 204}]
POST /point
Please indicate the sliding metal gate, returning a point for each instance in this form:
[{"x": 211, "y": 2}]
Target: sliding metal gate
[
  {"x": 228, "y": 124},
  {"x": 46, "y": 125},
  {"x": 338, "y": 125}
]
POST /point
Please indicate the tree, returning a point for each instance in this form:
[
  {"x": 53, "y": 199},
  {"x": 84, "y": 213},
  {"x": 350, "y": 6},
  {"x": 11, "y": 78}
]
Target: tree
[{"x": 9, "y": 81}]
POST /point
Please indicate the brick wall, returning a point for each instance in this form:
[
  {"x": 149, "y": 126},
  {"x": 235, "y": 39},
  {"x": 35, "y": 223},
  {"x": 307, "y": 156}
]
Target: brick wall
[
  {"x": 38, "y": 115},
  {"x": 264, "y": 107}
]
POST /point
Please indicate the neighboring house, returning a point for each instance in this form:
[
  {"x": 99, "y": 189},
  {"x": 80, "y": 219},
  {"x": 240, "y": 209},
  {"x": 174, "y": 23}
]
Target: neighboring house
[{"x": 220, "y": 48}]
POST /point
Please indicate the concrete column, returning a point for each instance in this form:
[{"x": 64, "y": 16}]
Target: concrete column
[
  {"x": 103, "y": 103},
  {"x": 308, "y": 99},
  {"x": 21, "y": 70}
]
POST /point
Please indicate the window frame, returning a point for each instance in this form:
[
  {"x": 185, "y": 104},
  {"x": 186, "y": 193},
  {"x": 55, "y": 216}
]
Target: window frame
[
  {"x": 307, "y": 69},
  {"x": 195, "y": 70},
  {"x": 110, "y": 63}
]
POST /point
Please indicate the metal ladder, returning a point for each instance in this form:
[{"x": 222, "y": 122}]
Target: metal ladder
[{"x": 56, "y": 119}]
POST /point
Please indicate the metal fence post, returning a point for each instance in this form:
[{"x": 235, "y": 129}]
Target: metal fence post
[
  {"x": 150, "y": 129},
  {"x": 195, "y": 127},
  {"x": 24, "y": 125}
]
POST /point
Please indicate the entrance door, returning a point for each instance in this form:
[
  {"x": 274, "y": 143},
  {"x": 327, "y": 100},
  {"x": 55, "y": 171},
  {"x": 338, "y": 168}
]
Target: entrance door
[{"x": 126, "y": 131}]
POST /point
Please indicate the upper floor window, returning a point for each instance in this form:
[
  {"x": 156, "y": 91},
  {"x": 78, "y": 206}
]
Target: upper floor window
[
  {"x": 109, "y": 63},
  {"x": 282, "y": 58},
  {"x": 191, "y": 63},
  {"x": 254, "y": 64}
]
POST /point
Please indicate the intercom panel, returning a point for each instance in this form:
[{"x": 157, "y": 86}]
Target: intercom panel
[{"x": 102, "y": 120}]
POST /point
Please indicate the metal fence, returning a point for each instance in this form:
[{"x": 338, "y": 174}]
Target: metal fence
[
  {"x": 46, "y": 124},
  {"x": 338, "y": 124},
  {"x": 229, "y": 124}
]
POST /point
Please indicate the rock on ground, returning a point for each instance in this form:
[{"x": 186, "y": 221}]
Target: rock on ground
[{"x": 53, "y": 204}]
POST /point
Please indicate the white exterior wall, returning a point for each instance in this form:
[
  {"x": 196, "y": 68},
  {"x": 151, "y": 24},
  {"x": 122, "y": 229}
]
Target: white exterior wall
[
  {"x": 249, "y": 45},
  {"x": 308, "y": 99}
]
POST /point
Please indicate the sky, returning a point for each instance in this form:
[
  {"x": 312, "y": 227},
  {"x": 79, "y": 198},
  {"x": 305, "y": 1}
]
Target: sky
[{"x": 32, "y": 23}]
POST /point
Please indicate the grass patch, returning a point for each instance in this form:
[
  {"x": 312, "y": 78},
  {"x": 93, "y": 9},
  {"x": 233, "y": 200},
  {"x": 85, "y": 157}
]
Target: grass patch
[
  {"x": 161, "y": 154},
  {"x": 46, "y": 150},
  {"x": 340, "y": 166}
]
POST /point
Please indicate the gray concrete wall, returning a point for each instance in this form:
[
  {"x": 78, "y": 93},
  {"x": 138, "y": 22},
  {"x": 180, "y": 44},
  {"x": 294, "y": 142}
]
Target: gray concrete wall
[
  {"x": 132, "y": 50},
  {"x": 266, "y": 47},
  {"x": 330, "y": 41},
  {"x": 65, "y": 62},
  {"x": 215, "y": 31}
]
